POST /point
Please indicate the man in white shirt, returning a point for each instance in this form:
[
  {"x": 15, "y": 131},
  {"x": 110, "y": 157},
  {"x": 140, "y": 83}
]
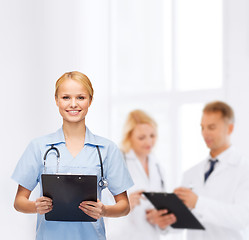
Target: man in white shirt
[{"x": 217, "y": 189}]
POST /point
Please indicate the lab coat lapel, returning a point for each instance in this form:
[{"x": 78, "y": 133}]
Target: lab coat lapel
[
  {"x": 194, "y": 179},
  {"x": 141, "y": 169},
  {"x": 140, "y": 173},
  {"x": 219, "y": 169},
  {"x": 200, "y": 176}
]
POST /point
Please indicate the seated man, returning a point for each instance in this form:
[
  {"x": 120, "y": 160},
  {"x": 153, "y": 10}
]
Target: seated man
[{"x": 217, "y": 189}]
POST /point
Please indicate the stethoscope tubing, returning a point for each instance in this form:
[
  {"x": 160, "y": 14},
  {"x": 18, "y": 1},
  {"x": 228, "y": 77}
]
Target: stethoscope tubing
[
  {"x": 57, "y": 155},
  {"x": 102, "y": 183}
]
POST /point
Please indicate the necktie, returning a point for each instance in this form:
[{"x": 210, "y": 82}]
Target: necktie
[{"x": 210, "y": 170}]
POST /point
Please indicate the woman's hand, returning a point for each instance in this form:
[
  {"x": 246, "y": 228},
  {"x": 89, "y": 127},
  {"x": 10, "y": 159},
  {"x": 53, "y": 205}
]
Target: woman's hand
[
  {"x": 134, "y": 199},
  {"x": 160, "y": 218},
  {"x": 95, "y": 210},
  {"x": 43, "y": 205},
  {"x": 23, "y": 204}
]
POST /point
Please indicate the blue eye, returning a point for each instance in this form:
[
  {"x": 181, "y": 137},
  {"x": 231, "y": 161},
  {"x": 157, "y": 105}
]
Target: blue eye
[
  {"x": 65, "y": 97},
  {"x": 81, "y": 98}
]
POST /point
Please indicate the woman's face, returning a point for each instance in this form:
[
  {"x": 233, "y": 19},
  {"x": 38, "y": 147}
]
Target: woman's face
[
  {"x": 73, "y": 101},
  {"x": 143, "y": 139}
]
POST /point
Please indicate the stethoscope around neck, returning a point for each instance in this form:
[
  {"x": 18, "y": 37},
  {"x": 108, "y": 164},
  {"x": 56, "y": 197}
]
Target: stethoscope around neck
[{"x": 102, "y": 182}]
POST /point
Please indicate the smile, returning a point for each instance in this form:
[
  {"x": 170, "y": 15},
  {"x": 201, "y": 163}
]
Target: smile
[{"x": 73, "y": 112}]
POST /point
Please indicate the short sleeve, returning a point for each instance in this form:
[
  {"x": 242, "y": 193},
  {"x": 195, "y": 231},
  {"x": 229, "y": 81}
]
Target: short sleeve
[
  {"x": 27, "y": 170},
  {"x": 118, "y": 176}
]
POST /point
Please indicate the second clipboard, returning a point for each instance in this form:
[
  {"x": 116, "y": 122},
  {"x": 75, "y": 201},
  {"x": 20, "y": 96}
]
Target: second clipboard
[{"x": 169, "y": 201}]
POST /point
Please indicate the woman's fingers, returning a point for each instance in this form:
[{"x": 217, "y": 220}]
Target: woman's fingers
[
  {"x": 93, "y": 209},
  {"x": 90, "y": 212},
  {"x": 43, "y": 205}
]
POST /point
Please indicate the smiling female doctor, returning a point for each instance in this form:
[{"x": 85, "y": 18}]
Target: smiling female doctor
[
  {"x": 77, "y": 147},
  {"x": 144, "y": 221}
]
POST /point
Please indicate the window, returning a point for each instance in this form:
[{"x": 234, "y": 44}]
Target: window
[{"x": 198, "y": 44}]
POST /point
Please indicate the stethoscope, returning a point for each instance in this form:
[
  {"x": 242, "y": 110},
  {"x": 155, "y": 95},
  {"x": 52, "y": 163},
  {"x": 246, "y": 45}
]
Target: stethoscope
[
  {"x": 160, "y": 175},
  {"x": 102, "y": 182}
]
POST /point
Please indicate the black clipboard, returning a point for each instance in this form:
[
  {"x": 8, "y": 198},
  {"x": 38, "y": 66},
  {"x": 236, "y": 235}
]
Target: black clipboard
[
  {"x": 169, "y": 201},
  {"x": 67, "y": 192}
]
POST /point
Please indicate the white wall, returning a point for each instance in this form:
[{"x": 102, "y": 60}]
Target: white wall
[
  {"x": 236, "y": 52},
  {"x": 40, "y": 40}
]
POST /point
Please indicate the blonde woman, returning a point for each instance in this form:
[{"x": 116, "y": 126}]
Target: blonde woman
[
  {"x": 143, "y": 222},
  {"x": 78, "y": 155}
]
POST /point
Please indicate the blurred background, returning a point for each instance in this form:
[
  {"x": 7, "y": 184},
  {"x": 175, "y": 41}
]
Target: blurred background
[{"x": 167, "y": 57}]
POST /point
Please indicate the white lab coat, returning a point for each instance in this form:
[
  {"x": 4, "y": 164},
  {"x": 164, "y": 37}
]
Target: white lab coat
[
  {"x": 134, "y": 226},
  {"x": 223, "y": 201}
]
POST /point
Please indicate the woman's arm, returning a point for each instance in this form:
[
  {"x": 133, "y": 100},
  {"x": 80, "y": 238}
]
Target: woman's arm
[
  {"x": 121, "y": 208},
  {"x": 23, "y": 204},
  {"x": 98, "y": 209}
]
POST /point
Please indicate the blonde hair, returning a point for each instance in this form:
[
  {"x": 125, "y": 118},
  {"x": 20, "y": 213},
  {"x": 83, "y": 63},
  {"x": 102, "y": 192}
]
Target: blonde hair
[
  {"x": 222, "y": 107},
  {"x": 77, "y": 76},
  {"x": 134, "y": 118}
]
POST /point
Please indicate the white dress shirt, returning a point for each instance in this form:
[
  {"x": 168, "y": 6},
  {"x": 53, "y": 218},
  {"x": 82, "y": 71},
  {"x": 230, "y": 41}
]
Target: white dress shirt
[
  {"x": 223, "y": 201},
  {"x": 134, "y": 226}
]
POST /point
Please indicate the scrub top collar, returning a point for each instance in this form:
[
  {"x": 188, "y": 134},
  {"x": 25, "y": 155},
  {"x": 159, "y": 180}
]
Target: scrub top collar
[{"x": 58, "y": 138}]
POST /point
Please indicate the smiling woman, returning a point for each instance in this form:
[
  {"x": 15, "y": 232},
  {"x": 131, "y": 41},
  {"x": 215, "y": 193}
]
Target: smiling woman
[
  {"x": 144, "y": 221},
  {"x": 73, "y": 97},
  {"x": 77, "y": 145}
]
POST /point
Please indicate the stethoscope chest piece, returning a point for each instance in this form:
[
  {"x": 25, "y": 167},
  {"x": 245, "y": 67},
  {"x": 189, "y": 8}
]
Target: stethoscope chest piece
[{"x": 103, "y": 182}]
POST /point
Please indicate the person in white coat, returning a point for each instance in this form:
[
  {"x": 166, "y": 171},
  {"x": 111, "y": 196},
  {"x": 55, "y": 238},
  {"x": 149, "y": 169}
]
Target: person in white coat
[
  {"x": 144, "y": 221},
  {"x": 217, "y": 189}
]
